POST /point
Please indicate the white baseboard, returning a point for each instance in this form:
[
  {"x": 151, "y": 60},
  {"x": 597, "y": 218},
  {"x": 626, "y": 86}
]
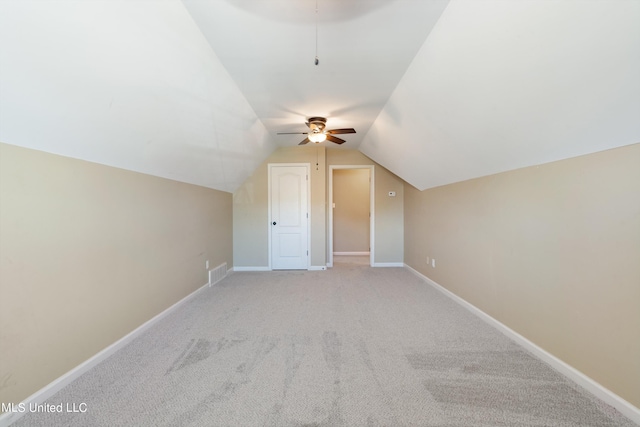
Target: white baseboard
[
  {"x": 58, "y": 384},
  {"x": 351, "y": 253},
  {"x": 388, "y": 264},
  {"x": 241, "y": 268},
  {"x": 311, "y": 268},
  {"x": 593, "y": 387}
]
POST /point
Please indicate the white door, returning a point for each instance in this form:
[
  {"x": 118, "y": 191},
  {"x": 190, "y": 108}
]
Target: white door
[{"x": 289, "y": 217}]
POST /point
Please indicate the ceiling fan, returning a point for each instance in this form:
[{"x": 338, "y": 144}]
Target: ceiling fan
[{"x": 317, "y": 133}]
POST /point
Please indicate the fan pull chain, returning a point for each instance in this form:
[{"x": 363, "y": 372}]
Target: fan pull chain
[{"x": 317, "y": 60}]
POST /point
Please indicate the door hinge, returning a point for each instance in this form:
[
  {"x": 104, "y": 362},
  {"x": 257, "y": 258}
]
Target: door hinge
[
  {"x": 307, "y": 177},
  {"x": 307, "y": 253},
  {"x": 307, "y": 215}
]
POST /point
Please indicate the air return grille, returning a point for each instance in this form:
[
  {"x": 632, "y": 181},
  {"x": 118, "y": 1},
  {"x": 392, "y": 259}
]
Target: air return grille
[{"x": 218, "y": 273}]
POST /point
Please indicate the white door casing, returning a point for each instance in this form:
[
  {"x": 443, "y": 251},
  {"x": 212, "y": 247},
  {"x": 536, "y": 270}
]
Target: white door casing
[{"x": 289, "y": 216}]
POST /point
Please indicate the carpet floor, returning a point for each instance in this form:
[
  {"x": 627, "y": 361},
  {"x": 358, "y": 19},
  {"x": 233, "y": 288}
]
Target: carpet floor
[{"x": 351, "y": 346}]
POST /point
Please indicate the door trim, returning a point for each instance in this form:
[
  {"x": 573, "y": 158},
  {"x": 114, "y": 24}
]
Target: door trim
[
  {"x": 372, "y": 205},
  {"x": 307, "y": 166}
]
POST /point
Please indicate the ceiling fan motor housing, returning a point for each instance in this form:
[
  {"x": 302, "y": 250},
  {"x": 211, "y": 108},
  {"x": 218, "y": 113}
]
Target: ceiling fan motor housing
[{"x": 317, "y": 124}]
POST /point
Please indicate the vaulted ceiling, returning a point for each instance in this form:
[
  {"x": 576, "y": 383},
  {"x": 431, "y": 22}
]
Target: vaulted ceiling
[
  {"x": 439, "y": 91},
  {"x": 364, "y": 47}
]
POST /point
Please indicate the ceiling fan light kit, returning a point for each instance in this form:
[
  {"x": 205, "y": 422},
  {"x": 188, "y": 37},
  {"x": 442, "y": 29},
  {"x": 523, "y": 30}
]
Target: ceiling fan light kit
[{"x": 317, "y": 137}]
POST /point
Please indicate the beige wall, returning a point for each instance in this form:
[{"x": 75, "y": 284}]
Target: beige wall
[
  {"x": 351, "y": 211},
  {"x": 90, "y": 252},
  {"x": 551, "y": 251},
  {"x": 389, "y": 218},
  {"x": 250, "y": 208},
  {"x": 250, "y": 204}
]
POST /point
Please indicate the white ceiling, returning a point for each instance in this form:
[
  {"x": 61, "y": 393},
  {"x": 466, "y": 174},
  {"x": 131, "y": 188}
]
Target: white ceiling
[
  {"x": 130, "y": 84},
  {"x": 438, "y": 91},
  {"x": 269, "y": 47},
  {"x": 500, "y": 85}
]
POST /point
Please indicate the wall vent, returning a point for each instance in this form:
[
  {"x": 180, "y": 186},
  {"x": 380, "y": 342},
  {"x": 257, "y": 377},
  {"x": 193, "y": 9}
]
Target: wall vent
[{"x": 217, "y": 274}]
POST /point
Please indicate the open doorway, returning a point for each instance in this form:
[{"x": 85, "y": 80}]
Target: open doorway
[{"x": 351, "y": 211}]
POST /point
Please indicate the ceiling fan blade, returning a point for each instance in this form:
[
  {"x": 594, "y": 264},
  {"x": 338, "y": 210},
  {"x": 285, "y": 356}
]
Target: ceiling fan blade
[
  {"x": 335, "y": 139},
  {"x": 337, "y": 131},
  {"x": 305, "y": 141},
  {"x": 292, "y": 133}
]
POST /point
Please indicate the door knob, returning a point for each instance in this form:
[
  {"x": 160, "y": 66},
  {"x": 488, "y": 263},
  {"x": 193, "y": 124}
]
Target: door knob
[{"x": 274, "y": 223}]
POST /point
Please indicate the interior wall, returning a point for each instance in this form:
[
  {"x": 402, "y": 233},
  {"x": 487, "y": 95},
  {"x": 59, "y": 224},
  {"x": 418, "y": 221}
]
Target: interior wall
[
  {"x": 251, "y": 204},
  {"x": 550, "y": 251},
  {"x": 250, "y": 207},
  {"x": 351, "y": 211},
  {"x": 90, "y": 252}
]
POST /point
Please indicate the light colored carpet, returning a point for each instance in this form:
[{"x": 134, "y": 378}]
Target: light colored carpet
[{"x": 351, "y": 346}]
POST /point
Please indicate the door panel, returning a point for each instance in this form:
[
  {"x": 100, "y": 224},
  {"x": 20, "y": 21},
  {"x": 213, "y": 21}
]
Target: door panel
[
  {"x": 289, "y": 218},
  {"x": 289, "y": 245},
  {"x": 288, "y": 206}
]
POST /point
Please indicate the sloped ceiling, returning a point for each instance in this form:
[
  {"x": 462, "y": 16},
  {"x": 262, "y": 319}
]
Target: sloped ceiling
[
  {"x": 131, "y": 84},
  {"x": 500, "y": 85},
  {"x": 438, "y": 91}
]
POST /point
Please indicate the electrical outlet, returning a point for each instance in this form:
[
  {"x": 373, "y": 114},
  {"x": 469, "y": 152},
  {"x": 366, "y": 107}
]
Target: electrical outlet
[
  {"x": 433, "y": 262},
  {"x": 206, "y": 265}
]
